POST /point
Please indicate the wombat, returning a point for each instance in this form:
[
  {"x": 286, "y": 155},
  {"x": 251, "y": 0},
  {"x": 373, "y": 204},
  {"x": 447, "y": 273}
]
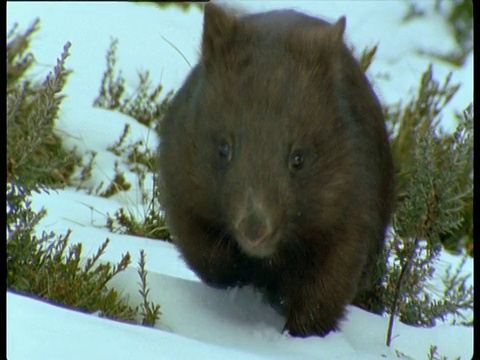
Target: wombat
[{"x": 275, "y": 166}]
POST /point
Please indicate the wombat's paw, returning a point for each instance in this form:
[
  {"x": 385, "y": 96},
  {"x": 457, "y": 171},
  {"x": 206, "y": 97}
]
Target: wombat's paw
[
  {"x": 303, "y": 325},
  {"x": 223, "y": 282}
]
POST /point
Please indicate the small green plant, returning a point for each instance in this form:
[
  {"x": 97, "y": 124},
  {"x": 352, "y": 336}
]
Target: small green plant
[
  {"x": 152, "y": 226},
  {"x": 18, "y": 61},
  {"x": 435, "y": 186},
  {"x": 434, "y": 183},
  {"x": 48, "y": 267},
  {"x": 143, "y": 105},
  {"x": 452, "y": 155},
  {"x": 366, "y": 57},
  {"x": 34, "y": 152},
  {"x": 87, "y": 168},
  {"x": 119, "y": 183},
  {"x": 434, "y": 355},
  {"x": 149, "y": 311},
  {"x": 136, "y": 154},
  {"x": 141, "y": 160}
]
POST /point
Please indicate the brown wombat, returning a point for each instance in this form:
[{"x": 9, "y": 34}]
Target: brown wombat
[{"x": 275, "y": 166}]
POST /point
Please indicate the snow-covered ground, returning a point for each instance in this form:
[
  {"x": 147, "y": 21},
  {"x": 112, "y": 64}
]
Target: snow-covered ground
[{"x": 198, "y": 322}]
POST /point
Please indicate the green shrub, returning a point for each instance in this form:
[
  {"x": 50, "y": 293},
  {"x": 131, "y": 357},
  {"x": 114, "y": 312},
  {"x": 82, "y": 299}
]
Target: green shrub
[
  {"x": 48, "y": 266},
  {"x": 448, "y": 159},
  {"x": 434, "y": 184},
  {"x": 149, "y": 311},
  {"x": 34, "y": 152},
  {"x": 143, "y": 105},
  {"x": 152, "y": 226},
  {"x": 435, "y": 193}
]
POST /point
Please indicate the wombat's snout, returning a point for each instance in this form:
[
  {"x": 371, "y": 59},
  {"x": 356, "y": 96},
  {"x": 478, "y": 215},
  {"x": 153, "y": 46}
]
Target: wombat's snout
[
  {"x": 254, "y": 227},
  {"x": 254, "y": 230}
]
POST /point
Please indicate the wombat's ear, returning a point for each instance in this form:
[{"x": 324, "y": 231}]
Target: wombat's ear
[
  {"x": 219, "y": 28},
  {"x": 318, "y": 44},
  {"x": 338, "y": 29}
]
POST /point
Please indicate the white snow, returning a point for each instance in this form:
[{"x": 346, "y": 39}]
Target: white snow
[{"x": 199, "y": 322}]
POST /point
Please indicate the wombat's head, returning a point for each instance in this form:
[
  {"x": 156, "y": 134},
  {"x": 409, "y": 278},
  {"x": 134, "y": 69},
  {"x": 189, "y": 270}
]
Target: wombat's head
[{"x": 253, "y": 142}]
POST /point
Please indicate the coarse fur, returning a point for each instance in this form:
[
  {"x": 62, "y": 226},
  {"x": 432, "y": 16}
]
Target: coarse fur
[{"x": 275, "y": 166}]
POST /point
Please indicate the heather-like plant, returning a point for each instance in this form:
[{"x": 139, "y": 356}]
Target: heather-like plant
[
  {"x": 143, "y": 104},
  {"x": 152, "y": 226},
  {"x": 434, "y": 210},
  {"x": 48, "y": 265},
  {"x": 435, "y": 184},
  {"x": 451, "y": 155},
  {"x": 34, "y": 152},
  {"x": 149, "y": 311}
]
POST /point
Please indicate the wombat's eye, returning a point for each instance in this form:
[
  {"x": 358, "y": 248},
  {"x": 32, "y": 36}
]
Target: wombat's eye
[
  {"x": 224, "y": 150},
  {"x": 296, "y": 161}
]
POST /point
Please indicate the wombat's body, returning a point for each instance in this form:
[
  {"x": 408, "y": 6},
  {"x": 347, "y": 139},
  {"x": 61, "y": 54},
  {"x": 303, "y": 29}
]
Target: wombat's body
[{"x": 275, "y": 167}]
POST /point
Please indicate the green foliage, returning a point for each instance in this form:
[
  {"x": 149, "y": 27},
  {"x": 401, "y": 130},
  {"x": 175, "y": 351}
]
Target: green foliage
[
  {"x": 150, "y": 311},
  {"x": 184, "y": 5},
  {"x": 434, "y": 210},
  {"x": 459, "y": 17},
  {"x": 34, "y": 152},
  {"x": 417, "y": 118},
  {"x": 152, "y": 226},
  {"x": 459, "y": 14},
  {"x": 47, "y": 267},
  {"x": 138, "y": 155},
  {"x": 112, "y": 86},
  {"x": 434, "y": 355},
  {"x": 366, "y": 57},
  {"x": 143, "y": 105},
  {"x": 435, "y": 192},
  {"x": 415, "y": 138},
  {"x": 456, "y": 295},
  {"x": 119, "y": 183},
  {"x": 86, "y": 172},
  {"x": 18, "y": 61}
]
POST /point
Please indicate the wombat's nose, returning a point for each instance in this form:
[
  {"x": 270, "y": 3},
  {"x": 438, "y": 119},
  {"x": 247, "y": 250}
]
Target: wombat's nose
[{"x": 254, "y": 227}]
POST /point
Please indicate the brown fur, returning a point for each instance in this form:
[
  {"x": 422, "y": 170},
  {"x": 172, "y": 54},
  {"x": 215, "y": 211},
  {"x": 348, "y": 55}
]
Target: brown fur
[{"x": 275, "y": 166}]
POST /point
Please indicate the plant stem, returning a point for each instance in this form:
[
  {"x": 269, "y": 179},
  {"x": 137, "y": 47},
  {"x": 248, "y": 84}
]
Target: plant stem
[{"x": 405, "y": 268}]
